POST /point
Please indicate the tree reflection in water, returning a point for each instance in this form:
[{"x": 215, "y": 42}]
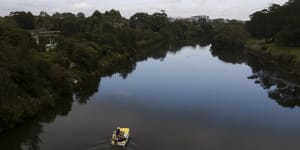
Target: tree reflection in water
[
  {"x": 27, "y": 137},
  {"x": 281, "y": 85}
]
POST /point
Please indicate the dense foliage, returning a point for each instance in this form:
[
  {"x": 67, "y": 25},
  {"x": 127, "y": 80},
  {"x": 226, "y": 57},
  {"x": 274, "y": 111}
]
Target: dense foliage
[
  {"x": 231, "y": 35},
  {"x": 278, "y": 23},
  {"x": 33, "y": 79}
]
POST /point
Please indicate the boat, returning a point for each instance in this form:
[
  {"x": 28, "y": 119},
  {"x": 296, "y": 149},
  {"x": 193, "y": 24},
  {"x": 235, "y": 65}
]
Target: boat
[{"x": 123, "y": 142}]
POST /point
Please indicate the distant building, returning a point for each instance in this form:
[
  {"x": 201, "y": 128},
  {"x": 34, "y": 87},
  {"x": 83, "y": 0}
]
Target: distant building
[
  {"x": 202, "y": 18},
  {"x": 222, "y": 20}
]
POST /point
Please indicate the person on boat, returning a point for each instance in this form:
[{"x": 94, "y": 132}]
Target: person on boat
[
  {"x": 118, "y": 131},
  {"x": 119, "y": 135}
]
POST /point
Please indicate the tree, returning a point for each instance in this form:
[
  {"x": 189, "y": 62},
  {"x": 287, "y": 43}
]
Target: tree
[
  {"x": 81, "y": 23},
  {"x": 23, "y": 20},
  {"x": 113, "y": 12},
  {"x": 159, "y": 21},
  {"x": 277, "y": 23},
  {"x": 68, "y": 24},
  {"x": 44, "y": 20},
  {"x": 230, "y": 36},
  {"x": 97, "y": 14},
  {"x": 141, "y": 21}
]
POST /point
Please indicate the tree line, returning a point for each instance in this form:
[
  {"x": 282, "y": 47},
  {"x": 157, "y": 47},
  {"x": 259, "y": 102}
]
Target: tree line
[{"x": 278, "y": 23}]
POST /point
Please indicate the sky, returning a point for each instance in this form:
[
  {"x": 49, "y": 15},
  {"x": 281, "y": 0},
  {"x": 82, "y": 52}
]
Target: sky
[{"x": 230, "y": 9}]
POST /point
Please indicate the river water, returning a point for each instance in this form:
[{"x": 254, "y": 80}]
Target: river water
[{"x": 188, "y": 98}]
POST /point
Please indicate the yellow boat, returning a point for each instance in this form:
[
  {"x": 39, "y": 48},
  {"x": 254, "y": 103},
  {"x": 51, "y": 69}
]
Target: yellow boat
[{"x": 126, "y": 136}]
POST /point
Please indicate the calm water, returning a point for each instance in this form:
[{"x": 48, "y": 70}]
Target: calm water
[{"x": 189, "y": 98}]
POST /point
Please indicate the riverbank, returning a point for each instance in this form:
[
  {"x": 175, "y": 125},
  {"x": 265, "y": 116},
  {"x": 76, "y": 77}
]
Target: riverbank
[
  {"x": 273, "y": 49},
  {"x": 286, "y": 60}
]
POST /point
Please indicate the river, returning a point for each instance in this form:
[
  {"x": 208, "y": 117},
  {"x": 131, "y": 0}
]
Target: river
[{"x": 187, "y": 98}]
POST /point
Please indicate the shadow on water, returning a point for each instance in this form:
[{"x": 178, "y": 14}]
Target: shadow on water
[
  {"x": 27, "y": 136},
  {"x": 281, "y": 85},
  {"x": 86, "y": 88}
]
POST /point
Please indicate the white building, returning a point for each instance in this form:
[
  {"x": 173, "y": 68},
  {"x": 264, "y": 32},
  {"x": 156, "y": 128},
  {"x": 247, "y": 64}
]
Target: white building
[{"x": 202, "y": 18}]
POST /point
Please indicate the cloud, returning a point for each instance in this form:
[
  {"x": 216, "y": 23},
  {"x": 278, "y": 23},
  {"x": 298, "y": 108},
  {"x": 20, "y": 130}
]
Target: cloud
[
  {"x": 175, "y": 8},
  {"x": 81, "y": 5}
]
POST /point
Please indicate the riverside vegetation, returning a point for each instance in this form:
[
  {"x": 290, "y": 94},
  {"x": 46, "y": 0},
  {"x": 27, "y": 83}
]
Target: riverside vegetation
[
  {"x": 276, "y": 30},
  {"x": 33, "y": 80}
]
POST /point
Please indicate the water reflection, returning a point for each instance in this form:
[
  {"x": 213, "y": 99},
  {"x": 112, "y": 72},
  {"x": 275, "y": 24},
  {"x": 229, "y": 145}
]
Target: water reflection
[
  {"x": 281, "y": 86},
  {"x": 230, "y": 55},
  {"x": 86, "y": 88},
  {"x": 27, "y": 136},
  {"x": 89, "y": 84}
]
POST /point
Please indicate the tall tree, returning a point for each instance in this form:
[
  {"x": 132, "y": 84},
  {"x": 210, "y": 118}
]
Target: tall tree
[{"x": 23, "y": 19}]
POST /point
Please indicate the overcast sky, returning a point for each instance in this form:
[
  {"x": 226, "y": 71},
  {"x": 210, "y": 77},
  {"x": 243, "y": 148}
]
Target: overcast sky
[{"x": 238, "y": 9}]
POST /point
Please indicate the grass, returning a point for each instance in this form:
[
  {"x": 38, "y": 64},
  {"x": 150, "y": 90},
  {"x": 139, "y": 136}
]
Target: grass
[{"x": 273, "y": 48}]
